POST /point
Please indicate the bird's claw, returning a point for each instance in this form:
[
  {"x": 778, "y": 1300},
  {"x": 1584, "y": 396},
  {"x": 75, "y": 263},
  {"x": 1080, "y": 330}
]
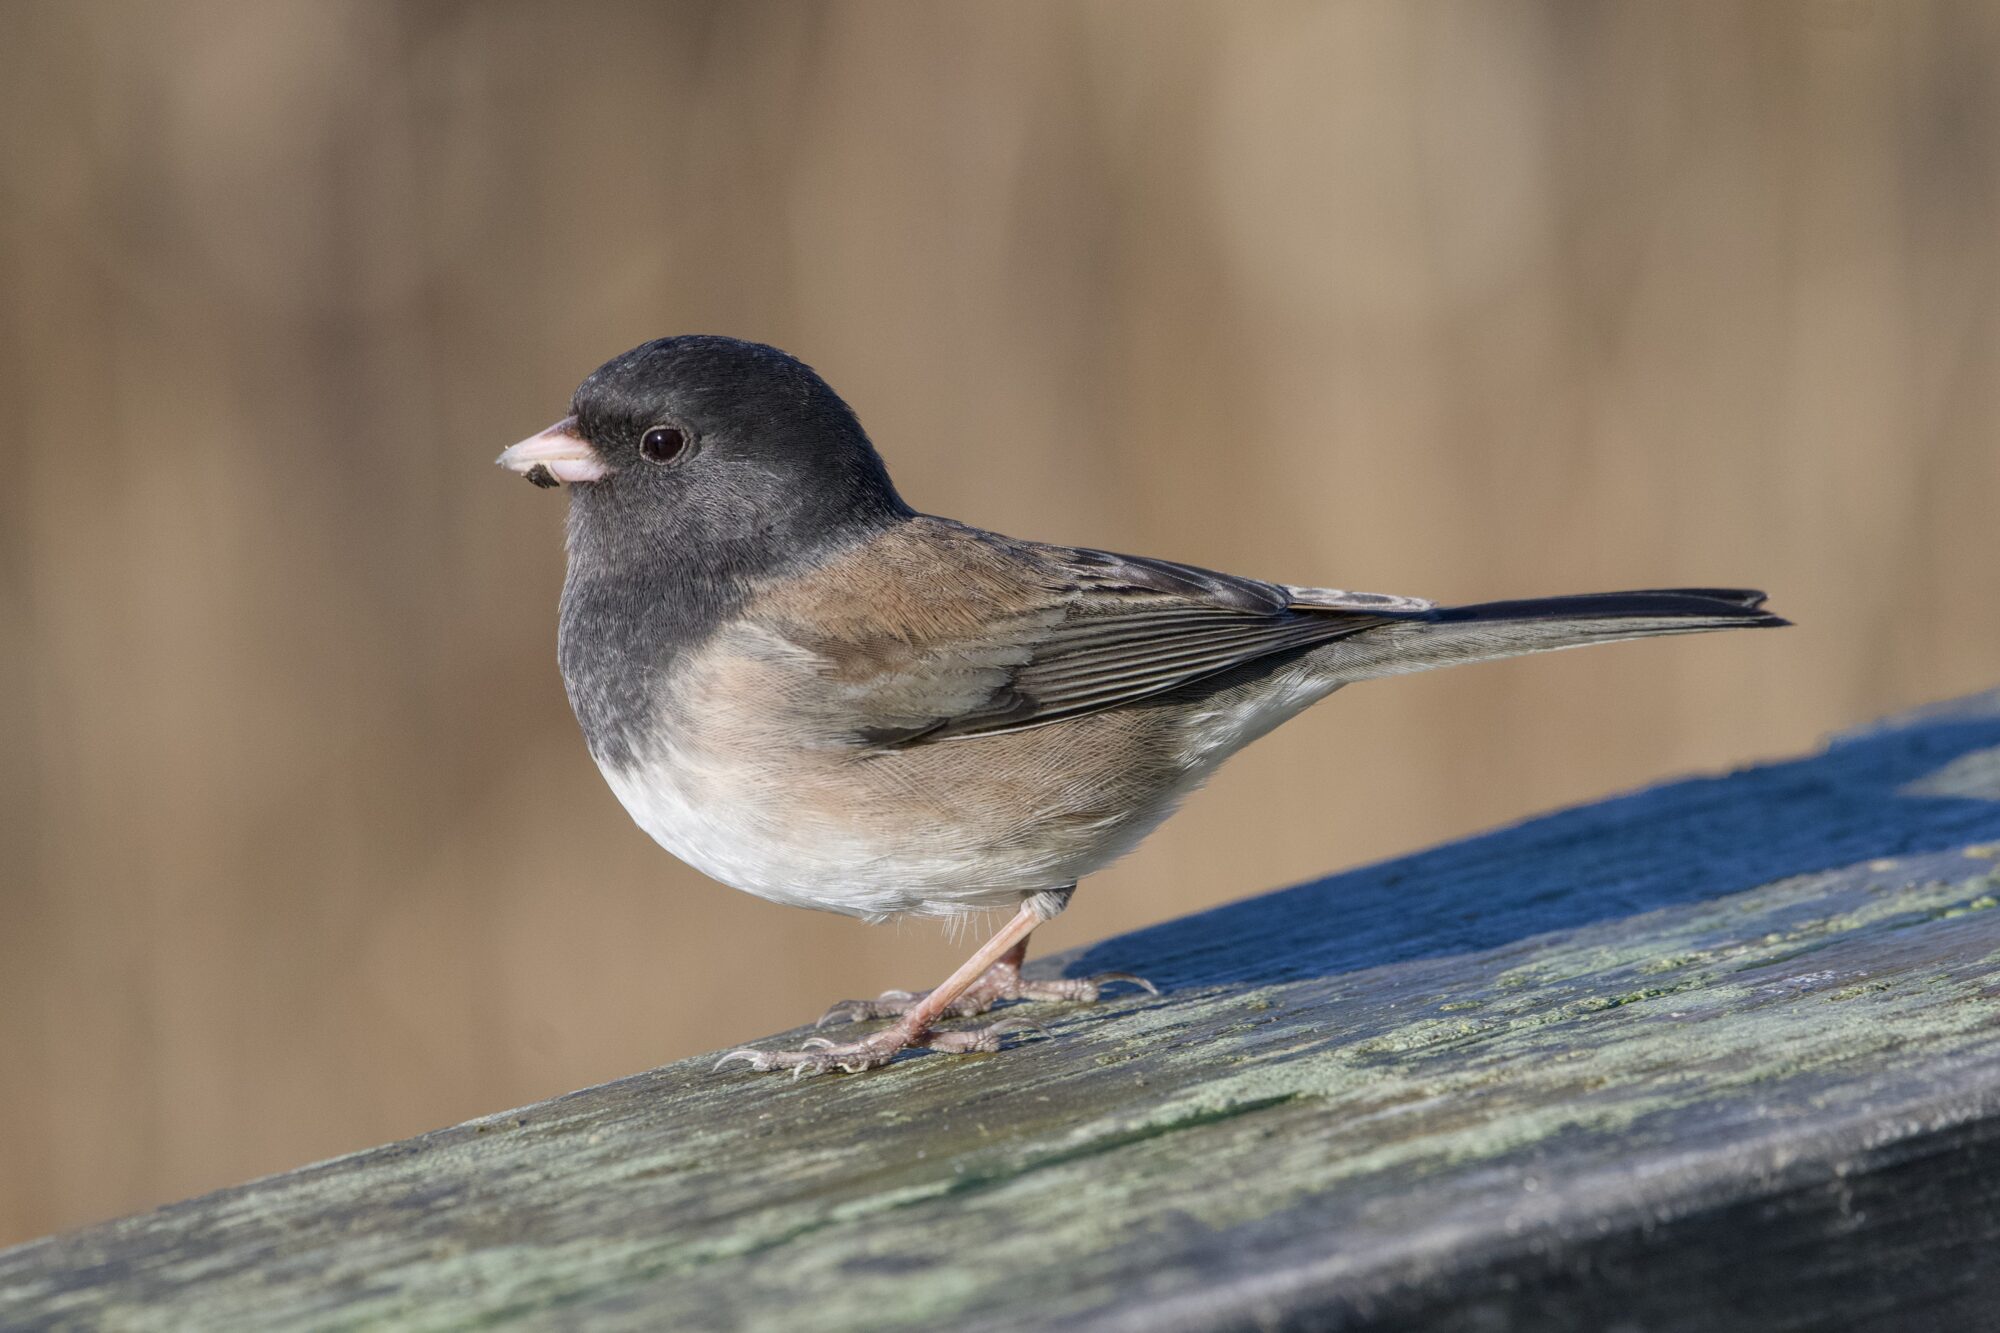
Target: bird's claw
[
  {"x": 995, "y": 987},
  {"x": 888, "y": 1004},
  {"x": 748, "y": 1055},
  {"x": 1011, "y": 1023},
  {"x": 963, "y": 1041},
  {"x": 817, "y": 1055},
  {"x": 1103, "y": 979},
  {"x": 1077, "y": 990}
]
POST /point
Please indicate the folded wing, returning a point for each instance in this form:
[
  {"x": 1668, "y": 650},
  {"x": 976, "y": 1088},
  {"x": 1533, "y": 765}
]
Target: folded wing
[{"x": 1057, "y": 632}]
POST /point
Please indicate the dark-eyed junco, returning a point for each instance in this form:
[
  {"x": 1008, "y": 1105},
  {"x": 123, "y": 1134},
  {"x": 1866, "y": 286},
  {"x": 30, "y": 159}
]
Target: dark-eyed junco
[{"x": 803, "y": 687}]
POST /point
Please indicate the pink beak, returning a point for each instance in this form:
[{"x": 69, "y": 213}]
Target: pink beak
[{"x": 556, "y": 454}]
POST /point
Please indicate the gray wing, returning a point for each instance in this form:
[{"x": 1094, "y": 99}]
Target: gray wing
[{"x": 1100, "y": 631}]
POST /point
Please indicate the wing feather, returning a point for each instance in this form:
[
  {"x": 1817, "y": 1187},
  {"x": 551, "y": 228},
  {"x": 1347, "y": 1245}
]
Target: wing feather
[{"x": 976, "y": 634}]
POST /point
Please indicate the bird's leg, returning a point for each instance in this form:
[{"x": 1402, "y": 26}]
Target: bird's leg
[
  {"x": 913, "y": 1027},
  {"x": 1002, "y": 981}
]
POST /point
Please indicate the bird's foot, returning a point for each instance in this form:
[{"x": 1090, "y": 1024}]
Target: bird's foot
[
  {"x": 819, "y": 1056},
  {"x": 1002, "y": 981}
]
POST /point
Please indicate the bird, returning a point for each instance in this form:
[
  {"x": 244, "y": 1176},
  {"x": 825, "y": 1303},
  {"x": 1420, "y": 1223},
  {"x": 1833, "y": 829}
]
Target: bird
[{"x": 810, "y": 691}]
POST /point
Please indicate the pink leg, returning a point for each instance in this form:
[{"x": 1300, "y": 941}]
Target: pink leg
[
  {"x": 914, "y": 1027},
  {"x": 1002, "y": 981}
]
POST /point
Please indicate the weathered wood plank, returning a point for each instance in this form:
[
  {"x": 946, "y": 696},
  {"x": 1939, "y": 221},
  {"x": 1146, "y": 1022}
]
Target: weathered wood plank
[{"x": 1720, "y": 1054}]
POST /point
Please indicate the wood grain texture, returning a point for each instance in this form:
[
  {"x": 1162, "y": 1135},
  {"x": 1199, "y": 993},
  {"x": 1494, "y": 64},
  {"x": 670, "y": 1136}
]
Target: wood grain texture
[{"x": 1716, "y": 1055}]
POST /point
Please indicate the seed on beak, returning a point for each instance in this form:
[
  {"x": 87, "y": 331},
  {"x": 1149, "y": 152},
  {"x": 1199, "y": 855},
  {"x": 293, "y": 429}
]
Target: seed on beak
[{"x": 555, "y": 456}]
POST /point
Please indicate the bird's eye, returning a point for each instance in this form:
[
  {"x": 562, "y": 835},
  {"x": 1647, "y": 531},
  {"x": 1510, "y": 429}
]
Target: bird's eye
[{"x": 663, "y": 444}]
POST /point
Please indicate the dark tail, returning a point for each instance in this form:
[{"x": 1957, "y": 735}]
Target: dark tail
[
  {"x": 1449, "y": 635},
  {"x": 1694, "y": 608}
]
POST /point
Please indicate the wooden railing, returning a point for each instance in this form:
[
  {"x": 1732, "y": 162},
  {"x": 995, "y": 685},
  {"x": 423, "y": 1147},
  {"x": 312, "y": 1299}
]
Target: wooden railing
[{"x": 1722, "y": 1054}]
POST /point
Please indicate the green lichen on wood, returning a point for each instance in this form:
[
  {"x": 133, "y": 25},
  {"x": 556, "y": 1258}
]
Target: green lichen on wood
[{"x": 1131, "y": 1134}]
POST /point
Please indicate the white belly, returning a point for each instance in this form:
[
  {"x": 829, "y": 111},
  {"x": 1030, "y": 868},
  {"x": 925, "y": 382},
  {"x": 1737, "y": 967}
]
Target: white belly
[
  {"x": 752, "y": 842},
  {"x": 845, "y": 850}
]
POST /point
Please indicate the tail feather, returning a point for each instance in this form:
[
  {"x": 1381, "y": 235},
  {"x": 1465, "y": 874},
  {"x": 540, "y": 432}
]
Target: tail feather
[
  {"x": 1450, "y": 635},
  {"x": 1733, "y": 606}
]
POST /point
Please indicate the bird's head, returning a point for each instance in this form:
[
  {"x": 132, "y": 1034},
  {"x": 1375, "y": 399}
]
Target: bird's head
[{"x": 699, "y": 437}]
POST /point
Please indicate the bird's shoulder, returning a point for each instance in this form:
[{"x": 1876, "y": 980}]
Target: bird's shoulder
[{"x": 920, "y": 582}]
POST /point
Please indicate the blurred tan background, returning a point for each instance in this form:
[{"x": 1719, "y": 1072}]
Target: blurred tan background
[{"x": 301, "y": 851}]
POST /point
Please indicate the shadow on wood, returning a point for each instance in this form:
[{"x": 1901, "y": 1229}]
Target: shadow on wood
[
  {"x": 1925, "y": 783},
  {"x": 1716, "y": 1055}
]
